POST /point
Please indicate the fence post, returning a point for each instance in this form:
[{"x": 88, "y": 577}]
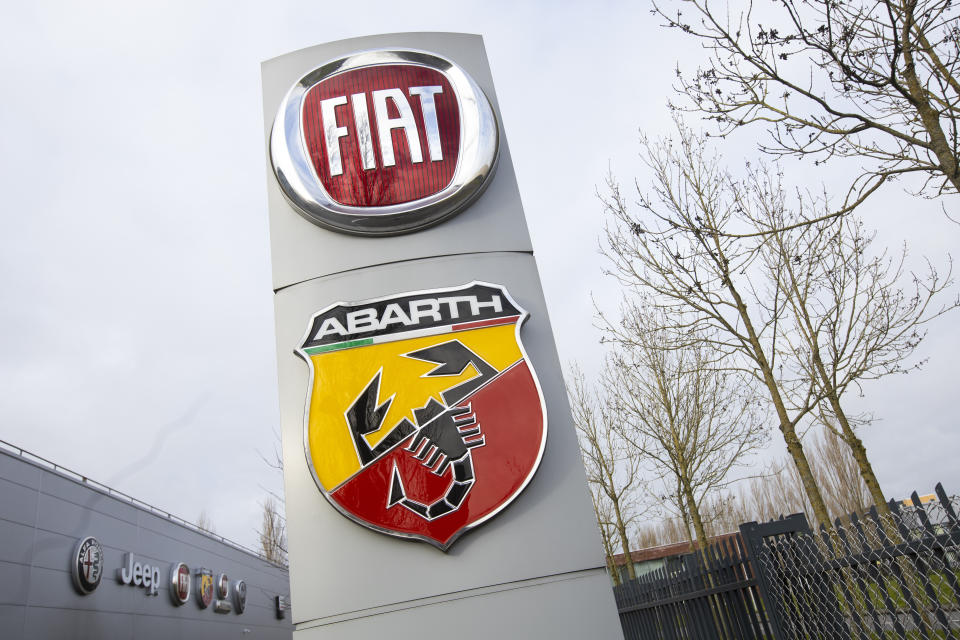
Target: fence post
[{"x": 752, "y": 535}]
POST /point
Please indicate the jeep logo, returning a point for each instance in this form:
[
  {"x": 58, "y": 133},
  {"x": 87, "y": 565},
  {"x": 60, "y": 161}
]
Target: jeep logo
[{"x": 384, "y": 142}]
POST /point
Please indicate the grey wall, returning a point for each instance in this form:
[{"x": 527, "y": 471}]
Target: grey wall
[{"x": 42, "y": 515}]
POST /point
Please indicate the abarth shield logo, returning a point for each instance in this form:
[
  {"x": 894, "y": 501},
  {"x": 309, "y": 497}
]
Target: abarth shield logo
[
  {"x": 204, "y": 587},
  {"x": 384, "y": 142},
  {"x": 424, "y": 417}
]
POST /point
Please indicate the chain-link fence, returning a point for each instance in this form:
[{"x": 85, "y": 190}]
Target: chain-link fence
[
  {"x": 891, "y": 575},
  {"x": 883, "y": 575}
]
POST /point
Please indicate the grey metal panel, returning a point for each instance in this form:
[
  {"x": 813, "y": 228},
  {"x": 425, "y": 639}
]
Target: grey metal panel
[
  {"x": 70, "y": 490},
  {"x": 302, "y": 250},
  {"x": 43, "y": 623},
  {"x": 52, "y": 550},
  {"x": 14, "y": 470},
  {"x": 11, "y": 619},
  {"x": 19, "y": 503},
  {"x": 59, "y": 516},
  {"x": 53, "y": 588},
  {"x": 549, "y": 529},
  {"x": 17, "y": 542},
  {"x": 574, "y": 608},
  {"x": 13, "y": 577}
]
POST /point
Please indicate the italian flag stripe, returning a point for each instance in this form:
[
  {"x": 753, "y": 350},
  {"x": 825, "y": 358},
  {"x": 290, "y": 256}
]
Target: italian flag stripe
[
  {"x": 406, "y": 335},
  {"x": 339, "y": 345},
  {"x": 484, "y": 323}
]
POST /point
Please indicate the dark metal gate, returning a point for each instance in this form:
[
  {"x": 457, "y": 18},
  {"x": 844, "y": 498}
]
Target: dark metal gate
[
  {"x": 872, "y": 576},
  {"x": 709, "y": 595}
]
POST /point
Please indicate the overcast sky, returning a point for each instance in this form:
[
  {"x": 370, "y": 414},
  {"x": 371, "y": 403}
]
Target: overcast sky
[{"x": 136, "y": 330}]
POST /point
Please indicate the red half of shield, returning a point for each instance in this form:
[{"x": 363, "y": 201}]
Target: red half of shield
[{"x": 510, "y": 416}]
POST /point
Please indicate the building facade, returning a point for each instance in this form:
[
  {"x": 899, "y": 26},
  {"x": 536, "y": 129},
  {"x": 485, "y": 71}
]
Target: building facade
[{"x": 80, "y": 560}]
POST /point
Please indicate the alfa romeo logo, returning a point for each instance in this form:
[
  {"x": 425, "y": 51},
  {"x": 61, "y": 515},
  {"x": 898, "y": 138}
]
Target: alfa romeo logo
[
  {"x": 425, "y": 416},
  {"x": 87, "y": 565},
  {"x": 384, "y": 142}
]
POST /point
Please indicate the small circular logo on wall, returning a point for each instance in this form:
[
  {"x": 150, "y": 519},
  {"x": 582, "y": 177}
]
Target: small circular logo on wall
[
  {"x": 384, "y": 142},
  {"x": 180, "y": 583},
  {"x": 87, "y": 565},
  {"x": 223, "y": 586},
  {"x": 240, "y": 595}
]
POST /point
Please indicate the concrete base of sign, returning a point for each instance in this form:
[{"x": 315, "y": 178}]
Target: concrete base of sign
[{"x": 574, "y": 605}]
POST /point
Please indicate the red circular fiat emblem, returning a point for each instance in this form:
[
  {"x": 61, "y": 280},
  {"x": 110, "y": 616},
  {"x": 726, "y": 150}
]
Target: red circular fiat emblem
[
  {"x": 180, "y": 583},
  {"x": 384, "y": 142}
]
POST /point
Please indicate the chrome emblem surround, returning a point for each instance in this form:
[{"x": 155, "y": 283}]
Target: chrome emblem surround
[
  {"x": 86, "y": 567},
  {"x": 204, "y": 587},
  {"x": 478, "y": 154},
  {"x": 180, "y": 587},
  {"x": 240, "y": 595}
]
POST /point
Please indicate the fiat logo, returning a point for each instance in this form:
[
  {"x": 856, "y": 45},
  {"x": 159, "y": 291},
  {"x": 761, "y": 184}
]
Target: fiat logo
[
  {"x": 180, "y": 583},
  {"x": 384, "y": 142}
]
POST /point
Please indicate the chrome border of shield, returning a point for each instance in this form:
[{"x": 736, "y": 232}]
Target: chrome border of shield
[{"x": 524, "y": 315}]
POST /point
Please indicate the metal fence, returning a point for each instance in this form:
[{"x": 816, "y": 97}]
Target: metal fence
[
  {"x": 709, "y": 594},
  {"x": 872, "y": 576}
]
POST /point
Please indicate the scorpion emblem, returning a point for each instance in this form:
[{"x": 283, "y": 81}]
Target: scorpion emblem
[{"x": 444, "y": 433}]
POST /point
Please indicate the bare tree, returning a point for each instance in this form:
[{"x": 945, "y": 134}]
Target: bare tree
[
  {"x": 874, "y": 81},
  {"x": 608, "y": 533},
  {"x": 692, "y": 422},
  {"x": 839, "y": 474},
  {"x": 204, "y": 522},
  {"x": 779, "y": 491},
  {"x": 662, "y": 532},
  {"x": 612, "y": 473},
  {"x": 273, "y": 532},
  {"x": 681, "y": 259},
  {"x": 848, "y": 320},
  {"x": 807, "y": 309},
  {"x": 771, "y": 495}
]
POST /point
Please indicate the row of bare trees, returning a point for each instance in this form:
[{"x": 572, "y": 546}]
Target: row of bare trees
[
  {"x": 748, "y": 302},
  {"x": 775, "y": 492},
  {"x": 733, "y": 317}
]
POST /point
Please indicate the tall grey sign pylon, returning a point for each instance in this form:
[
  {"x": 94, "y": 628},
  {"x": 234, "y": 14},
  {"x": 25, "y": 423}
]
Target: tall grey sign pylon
[{"x": 415, "y": 355}]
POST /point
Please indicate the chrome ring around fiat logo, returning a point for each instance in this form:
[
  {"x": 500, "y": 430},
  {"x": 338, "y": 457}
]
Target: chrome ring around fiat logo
[
  {"x": 302, "y": 166},
  {"x": 181, "y": 583}
]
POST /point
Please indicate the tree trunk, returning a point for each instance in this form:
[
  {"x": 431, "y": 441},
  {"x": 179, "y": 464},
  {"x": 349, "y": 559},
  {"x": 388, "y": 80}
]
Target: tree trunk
[
  {"x": 849, "y": 435},
  {"x": 794, "y": 447},
  {"x": 624, "y": 540},
  {"x": 859, "y": 454},
  {"x": 928, "y": 115},
  {"x": 608, "y": 552},
  {"x": 694, "y": 514}
]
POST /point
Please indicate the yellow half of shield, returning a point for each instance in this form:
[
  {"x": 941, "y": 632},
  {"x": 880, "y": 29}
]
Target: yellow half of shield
[{"x": 339, "y": 377}]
